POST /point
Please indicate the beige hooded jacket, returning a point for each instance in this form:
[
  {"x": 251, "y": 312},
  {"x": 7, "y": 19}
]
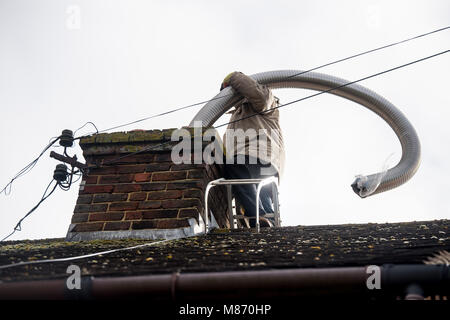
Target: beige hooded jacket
[{"x": 260, "y": 135}]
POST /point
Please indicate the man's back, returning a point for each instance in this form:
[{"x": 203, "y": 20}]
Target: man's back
[{"x": 253, "y": 116}]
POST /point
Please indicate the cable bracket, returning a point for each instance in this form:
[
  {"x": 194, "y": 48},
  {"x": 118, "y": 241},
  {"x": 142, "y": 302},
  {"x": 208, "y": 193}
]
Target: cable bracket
[{"x": 70, "y": 160}]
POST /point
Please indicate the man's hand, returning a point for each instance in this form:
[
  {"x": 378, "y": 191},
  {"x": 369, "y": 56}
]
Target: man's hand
[{"x": 226, "y": 81}]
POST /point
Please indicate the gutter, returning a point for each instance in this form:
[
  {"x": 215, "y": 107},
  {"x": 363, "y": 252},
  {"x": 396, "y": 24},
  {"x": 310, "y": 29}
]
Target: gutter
[{"x": 411, "y": 281}]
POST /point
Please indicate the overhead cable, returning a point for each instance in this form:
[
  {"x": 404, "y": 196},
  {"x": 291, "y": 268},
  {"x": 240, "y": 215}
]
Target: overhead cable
[
  {"x": 284, "y": 105},
  {"x": 18, "y": 227},
  {"x": 335, "y": 88},
  {"x": 27, "y": 168},
  {"x": 300, "y": 73}
]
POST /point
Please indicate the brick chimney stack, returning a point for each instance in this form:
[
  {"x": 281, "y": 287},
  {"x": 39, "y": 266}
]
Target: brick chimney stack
[{"x": 144, "y": 195}]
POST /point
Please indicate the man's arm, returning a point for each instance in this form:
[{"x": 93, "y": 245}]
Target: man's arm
[{"x": 259, "y": 96}]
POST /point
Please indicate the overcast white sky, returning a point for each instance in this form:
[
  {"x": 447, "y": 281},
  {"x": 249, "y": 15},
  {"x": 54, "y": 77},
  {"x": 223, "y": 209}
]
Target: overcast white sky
[{"x": 124, "y": 60}]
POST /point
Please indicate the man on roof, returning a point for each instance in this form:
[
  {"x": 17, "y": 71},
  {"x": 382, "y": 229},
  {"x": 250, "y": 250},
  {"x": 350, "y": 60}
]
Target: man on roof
[{"x": 253, "y": 144}]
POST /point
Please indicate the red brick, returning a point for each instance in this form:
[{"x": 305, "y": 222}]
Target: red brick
[
  {"x": 149, "y": 204},
  {"x": 161, "y": 157},
  {"x": 133, "y": 215},
  {"x": 118, "y": 225},
  {"x": 145, "y": 224},
  {"x": 158, "y": 167},
  {"x": 138, "y": 196},
  {"x": 172, "y": 223},
  {"x": 142, "y": 177},
  {"x": 180, "y": 203},
  {"x": 110, "y": 197},
  {"x": 158, "y": 214},
  {"x": 85, "y": 227},
  {"x": 100, "y": 216},
  {"x": 127, "y": 188},
  {"x": 193, "y": 193},
  {"x": 80, "y": 217},
  {"x": 188, "y": 213},
  {"x": 103, "y": 170},
  {"x": 119, "y": 178},
  {"x": 132, "y": 168},
  {"x": 97, "y": 189},
  {"x": 169, "y": 175},
  {"x": 183, "y": 166},
  {"x": 184, "y": 185},
  {"x": 81, "y": 208},
  {"x": 153, "y": 186},
  {"x": 134, "y": 159},
  {"x": 84, "y": 199},
  {"x": 196, "y": 174},
  {"x": 123, "y": 206},
  {"x": 106, "y": 216},
  {"x": 91, "y": 179},
  {"x": 161, "y": 195}
]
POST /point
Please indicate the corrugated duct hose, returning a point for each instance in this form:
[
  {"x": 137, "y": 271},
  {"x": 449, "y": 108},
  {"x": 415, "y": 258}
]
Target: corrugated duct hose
[{"x": 364, "y": 186}]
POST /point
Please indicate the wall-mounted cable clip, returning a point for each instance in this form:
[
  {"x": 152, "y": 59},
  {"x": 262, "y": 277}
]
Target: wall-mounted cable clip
[{"x": 70, "y": 160}]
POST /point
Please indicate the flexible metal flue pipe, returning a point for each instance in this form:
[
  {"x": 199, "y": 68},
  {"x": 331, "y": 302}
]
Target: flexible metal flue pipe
[{"x": 364, "y": 186}]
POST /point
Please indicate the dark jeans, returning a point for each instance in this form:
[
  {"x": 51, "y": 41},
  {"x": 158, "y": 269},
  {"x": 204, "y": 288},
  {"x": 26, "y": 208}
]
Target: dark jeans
[{"x": 246, "y": 193}]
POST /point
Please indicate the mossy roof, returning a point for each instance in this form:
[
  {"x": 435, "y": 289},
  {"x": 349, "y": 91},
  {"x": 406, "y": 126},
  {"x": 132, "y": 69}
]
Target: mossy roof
[{"x": 227, "y": 250}]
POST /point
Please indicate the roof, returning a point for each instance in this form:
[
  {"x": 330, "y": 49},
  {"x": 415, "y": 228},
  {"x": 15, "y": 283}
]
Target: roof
[{"x": 230, "y": 250}]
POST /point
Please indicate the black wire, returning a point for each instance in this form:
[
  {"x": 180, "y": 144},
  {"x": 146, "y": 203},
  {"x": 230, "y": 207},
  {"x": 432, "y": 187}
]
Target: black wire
[
  {"x": 64, "y": 185},
  {"x": 300, "y": 73},
  {"x": 27, "y": 168},
  {"x": 79, "y": 175},
  {"x": 157, "y": 115},
  {"x": 89, "y": 122},
  {"x": 369, "y": 51},
  {"x": 67, "y": 183},
  {"x": 18, "y": 226},
  {"x": 283, "y": 105}
]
